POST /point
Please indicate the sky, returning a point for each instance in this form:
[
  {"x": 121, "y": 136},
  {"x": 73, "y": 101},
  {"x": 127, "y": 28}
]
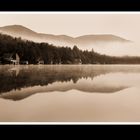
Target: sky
[{"x": 77, "y": 24}]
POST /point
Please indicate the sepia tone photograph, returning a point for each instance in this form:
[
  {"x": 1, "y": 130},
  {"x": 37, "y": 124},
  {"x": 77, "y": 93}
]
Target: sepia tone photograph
[{"x": 70, "y": 67}]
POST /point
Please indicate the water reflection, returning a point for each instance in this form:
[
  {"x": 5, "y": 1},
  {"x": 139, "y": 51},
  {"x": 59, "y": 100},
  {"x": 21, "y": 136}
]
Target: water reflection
[{"x": 19, "y": 82}]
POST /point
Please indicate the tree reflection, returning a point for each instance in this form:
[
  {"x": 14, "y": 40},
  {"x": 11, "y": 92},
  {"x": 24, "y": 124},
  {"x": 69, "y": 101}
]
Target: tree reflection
[{"x": 17, "y": 77}]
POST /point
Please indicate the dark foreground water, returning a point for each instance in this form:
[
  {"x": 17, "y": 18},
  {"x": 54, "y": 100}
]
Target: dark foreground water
[{"x": 70, "y": 93}]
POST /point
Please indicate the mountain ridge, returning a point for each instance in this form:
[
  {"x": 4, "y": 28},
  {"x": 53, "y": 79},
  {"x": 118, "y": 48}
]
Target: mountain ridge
[
  {"x": 107, "y": 44},
  {"x": 20, "y": 28}
]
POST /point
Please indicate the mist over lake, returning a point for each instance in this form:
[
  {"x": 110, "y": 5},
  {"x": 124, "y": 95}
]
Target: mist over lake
[{"x": 69, "y": 93}]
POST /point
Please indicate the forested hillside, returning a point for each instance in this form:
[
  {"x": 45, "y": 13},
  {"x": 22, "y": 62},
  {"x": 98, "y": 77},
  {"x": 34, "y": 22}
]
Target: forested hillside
[{"x": 50, "y": 54}]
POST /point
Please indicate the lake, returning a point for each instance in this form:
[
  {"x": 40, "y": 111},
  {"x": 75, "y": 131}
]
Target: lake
[{"x": 70, "y": 93}]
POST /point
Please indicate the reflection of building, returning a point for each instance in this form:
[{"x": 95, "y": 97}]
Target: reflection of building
[
  {"x": 10, "y": 58},
  {"x": 14, "y": 71}
]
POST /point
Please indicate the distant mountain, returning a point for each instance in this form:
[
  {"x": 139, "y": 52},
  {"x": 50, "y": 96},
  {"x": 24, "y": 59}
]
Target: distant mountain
[
  {"x": 18, "y": 31},
  {"x": 106, "y": 44}
]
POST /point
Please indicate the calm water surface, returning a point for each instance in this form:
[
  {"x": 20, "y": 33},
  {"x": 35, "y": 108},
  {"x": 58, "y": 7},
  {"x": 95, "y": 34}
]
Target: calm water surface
[{"x": 69, "y": 93}]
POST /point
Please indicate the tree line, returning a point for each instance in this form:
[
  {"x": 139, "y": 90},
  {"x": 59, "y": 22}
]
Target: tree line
[{"x": 32, "y": 52}]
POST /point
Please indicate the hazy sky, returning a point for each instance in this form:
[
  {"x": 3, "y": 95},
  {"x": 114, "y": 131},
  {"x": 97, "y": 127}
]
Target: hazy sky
[{"x": 124, "y": 25}]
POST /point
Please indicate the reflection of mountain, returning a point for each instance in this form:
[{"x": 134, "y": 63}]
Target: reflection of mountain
[
  {"x": 22, "y": 81},
  {"x": 60, "y": 87}
]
